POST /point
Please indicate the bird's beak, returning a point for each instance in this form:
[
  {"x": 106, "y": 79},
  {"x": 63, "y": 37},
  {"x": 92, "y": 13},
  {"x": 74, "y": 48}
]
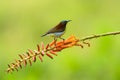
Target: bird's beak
[{"x": 69, "y": 20}]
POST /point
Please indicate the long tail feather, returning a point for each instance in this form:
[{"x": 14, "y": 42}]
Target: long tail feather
[{"x": 43, "y": 35}]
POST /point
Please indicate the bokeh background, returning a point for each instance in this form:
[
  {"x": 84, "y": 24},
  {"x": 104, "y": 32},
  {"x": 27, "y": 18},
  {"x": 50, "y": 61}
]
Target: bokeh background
[{"x": 22, "y": 22}]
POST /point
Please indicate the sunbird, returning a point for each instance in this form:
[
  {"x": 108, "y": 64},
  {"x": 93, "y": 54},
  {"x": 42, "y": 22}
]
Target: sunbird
[{"x": 58, "y": 30}]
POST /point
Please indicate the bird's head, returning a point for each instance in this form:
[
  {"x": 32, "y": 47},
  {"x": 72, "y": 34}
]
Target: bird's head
[{"x": 64, "y": 22}]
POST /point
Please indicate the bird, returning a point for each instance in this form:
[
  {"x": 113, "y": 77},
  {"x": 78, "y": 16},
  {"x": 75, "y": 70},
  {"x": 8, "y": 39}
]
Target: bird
[{"x": 58, "y": 30}]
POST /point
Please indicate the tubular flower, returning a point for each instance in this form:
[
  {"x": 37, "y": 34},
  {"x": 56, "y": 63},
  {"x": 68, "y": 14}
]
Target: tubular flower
[{"x": 49, "y": 50}]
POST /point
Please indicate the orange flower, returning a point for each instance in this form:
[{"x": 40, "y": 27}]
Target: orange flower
[{"x": 48, "y": 50}]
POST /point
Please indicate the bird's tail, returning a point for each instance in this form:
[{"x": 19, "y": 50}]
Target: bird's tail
[{"x": 43, "y": 35}]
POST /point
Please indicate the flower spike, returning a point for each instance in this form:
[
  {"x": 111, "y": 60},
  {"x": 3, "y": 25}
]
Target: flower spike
[{"x": 50, "y": 49}]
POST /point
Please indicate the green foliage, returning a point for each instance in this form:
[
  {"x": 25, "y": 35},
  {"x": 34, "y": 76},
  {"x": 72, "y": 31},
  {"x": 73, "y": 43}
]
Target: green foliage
[{"x": 22, "y": 22}]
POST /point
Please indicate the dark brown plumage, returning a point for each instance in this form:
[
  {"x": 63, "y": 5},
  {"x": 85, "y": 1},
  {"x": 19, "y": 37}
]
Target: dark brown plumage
[{"x": 58, "y": 30}]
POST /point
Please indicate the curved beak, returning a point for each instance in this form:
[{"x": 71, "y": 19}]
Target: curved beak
[{"x": 69, "y": 20}]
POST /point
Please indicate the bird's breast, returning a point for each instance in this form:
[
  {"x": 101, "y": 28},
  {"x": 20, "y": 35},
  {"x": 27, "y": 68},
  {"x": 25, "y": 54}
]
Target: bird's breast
[{"x": 57, "y": 34}]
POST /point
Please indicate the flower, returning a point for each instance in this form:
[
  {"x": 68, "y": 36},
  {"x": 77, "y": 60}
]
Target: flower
[{"x": 50, "y": 49}]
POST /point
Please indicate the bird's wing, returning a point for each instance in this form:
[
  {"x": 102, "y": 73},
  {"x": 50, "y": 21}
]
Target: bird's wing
[{"x": 56, "y": 29}]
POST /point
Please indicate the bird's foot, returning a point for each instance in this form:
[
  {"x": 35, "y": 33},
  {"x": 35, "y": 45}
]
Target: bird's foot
[
  {"x": 55, "y": 40},
  {"x": 63, "y": 40}
]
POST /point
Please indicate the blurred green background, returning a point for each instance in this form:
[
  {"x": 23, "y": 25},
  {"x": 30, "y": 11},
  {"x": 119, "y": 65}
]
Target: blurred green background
[{"x": 22, "y": 22}]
